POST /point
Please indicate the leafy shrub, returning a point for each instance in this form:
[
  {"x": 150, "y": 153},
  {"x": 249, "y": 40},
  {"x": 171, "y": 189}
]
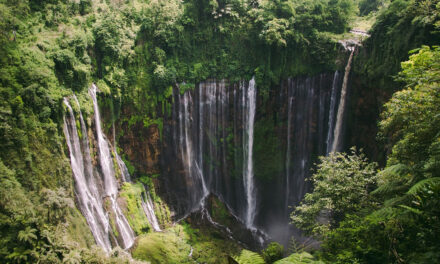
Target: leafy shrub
[{"x": 273, "y": 252}]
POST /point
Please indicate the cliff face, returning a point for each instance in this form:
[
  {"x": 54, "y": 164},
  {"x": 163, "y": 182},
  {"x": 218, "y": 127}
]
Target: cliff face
[
  {"x": 205, "y": 143},
  {"x": 141, "y": 145},
  {"x": 365, "y": 106},
  {"x": 203, "y": 148}
]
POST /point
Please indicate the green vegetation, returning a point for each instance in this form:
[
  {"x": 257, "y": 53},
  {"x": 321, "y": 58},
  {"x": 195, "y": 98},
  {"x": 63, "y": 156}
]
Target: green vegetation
[
  {"x": 249, "y": 257},
  {"x": 169, "y": 246},
  {"x": 136, "y": 51},
  {"x": 400, "y": 27},
  {"x": 135, "y": 214},
  {"x": 366, "y": 7},
  {"x": 382, "y": 225},
  {"x": 220, "y": 212},
  {"x": 185, "y": 244},
  {"x": 161, "y": 209},
  {"x": 299, "y": 258},
  {"x": 341, "y": 186},
  {"x": 273, "y": 252}
]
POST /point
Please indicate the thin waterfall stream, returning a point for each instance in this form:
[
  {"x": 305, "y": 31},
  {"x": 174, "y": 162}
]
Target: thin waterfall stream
[
  {"x": 337, "y": 138},
  {"x": 249, "y": 102},
  {"x": 331, "y": 123}
]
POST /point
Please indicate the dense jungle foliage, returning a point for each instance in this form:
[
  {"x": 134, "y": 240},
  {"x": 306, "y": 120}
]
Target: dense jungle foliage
[
  {"x": 389, "y": 215},
  {"x": 137, "y": 50}
]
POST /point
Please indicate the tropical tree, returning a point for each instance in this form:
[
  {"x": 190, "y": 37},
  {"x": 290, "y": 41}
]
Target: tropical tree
[{"x": 341, "y": 185}]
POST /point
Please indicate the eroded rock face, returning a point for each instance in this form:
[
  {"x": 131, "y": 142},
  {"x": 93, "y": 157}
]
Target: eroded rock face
[{"x": 141, "y": 145}]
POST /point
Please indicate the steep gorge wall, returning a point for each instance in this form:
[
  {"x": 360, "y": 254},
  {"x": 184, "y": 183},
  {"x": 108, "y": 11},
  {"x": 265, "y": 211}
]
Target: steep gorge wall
[{"x": 211, "y": 118}]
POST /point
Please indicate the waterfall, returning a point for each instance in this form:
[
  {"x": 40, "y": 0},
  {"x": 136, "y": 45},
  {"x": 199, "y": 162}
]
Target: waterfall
[
  {"x": 206, "y": 140},
  {"x": 89, "y": 200},
  {"x": 211, "y": 134},
  {"x": 329, "y": 141},
  {"x": 288, "y": 149},
  {"x": 147, "y": 206},
  {"x": 193, "y": 171},
  {"x": 146, "y": 203},
  {"x": 125, "y": 174},
  {"x": 123, "y": 168},
  {"x": 336, "y": 146},
  {"x": 249, "y": 102},
  {"x": 108, "y": 174}
]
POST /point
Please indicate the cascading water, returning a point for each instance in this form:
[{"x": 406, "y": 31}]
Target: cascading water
[
  {"x": 89, "y": 200},
  {"x": 288, "y": 150},
  {"x": 249, "y": 102},
  {"x": 337, "y": 141},
  {"x": 147, "y": 206},
  {"x": 199, "y": 190},
  {"x": 146, "y": 202},
  {"x": 125, "y": 174},
  {"x": 211, "y": 132},
  {"x": 108, "y": 176},
  {"x": 123, "y": 168},
  {"x": 302, "y": 108},
  {"x": 204, "y": 142},
  {"x": 331, "y": 114}
]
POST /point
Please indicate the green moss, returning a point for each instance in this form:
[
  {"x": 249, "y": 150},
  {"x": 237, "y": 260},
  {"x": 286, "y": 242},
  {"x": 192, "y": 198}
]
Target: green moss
[
  {"x": 118, "y": 172},
  {"x": 209, "y": 246},
  {"x": 129, "y": 166},
  {"x": 219, "y": 212},
  {"x": 113, "y": 225},
  {"x": 161, "y": 210},
  {"x": 78, "y": 128},
  {"x": 169, "y": 246},
  {"x": 136, "y": 217},
  {"x": 175, "y": 244}
]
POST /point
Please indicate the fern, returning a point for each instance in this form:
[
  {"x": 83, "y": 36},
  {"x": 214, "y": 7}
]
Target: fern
[
  {"x": 393, "y": 179},
  {"x": 397, "y": 200},
  {"x": 431, "y": 183},
  {"x": 299, "y": 258},
  {"x": 413, "y": 210},
  {"x": 383, "y": 213},
  {"x": 389, "y": 188},
  {"x": 249, "y": 257},
  {"x": 395, "y": 170}
]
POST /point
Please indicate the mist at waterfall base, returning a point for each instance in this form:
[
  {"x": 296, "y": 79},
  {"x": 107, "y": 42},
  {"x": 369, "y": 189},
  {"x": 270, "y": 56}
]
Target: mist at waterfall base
[{"x": 210, "y": 135}]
